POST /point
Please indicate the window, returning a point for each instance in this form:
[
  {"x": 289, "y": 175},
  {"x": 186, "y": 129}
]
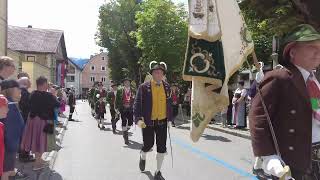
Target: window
[
  {"x": 31, "y": 58},
  {"x": 103, "y": 68},
  {"x": 71, "y": 69},
  {"x": 92, "y": 68},
  {"x": 92, "y": 79},
  {"x": 102, "y": 58},
  {"x": 70, "y": 78},
  {"x": 103, "y": 79}
]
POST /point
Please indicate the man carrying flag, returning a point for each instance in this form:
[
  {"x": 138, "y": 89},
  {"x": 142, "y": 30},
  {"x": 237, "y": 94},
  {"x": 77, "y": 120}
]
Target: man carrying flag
[{"x": 288, "y": 98}]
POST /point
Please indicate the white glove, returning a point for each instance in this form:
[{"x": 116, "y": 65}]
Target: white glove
[
  {"x": 272, "y": 165},
  {"x": 141, "y": 124}
]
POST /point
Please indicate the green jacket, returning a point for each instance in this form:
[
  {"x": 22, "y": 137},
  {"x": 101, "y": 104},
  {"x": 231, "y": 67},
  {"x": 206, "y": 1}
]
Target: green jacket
[{"x": 119, "y": 98}]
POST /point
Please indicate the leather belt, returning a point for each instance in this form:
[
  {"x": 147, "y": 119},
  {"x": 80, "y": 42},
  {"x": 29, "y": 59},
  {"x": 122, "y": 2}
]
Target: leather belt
[{"x": 159, "y": 122}]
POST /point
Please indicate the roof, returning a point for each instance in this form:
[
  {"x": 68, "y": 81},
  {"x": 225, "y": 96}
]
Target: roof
[
  {"x": 79, "y": 63},
  {"x": 25, "y": 39}
]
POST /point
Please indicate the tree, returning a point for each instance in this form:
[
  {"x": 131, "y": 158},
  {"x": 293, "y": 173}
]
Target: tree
[
  {"x": 116, "y": 23},
  {"x": 271, "y": 18},
  {"x": 162, "y": 35}
]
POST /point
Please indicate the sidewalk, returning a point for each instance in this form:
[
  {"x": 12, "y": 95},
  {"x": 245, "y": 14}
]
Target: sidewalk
[
  {"x": 48, "y": 173},
  {"x": 217, "y": 126}
]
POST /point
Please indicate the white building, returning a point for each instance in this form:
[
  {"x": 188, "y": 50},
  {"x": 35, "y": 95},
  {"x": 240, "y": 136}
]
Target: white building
[{"x": 73, "y": 77}]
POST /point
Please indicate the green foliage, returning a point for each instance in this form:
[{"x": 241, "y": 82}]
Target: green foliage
[
  {"x": 266, "y": 19},
  {"x": 116, "y": 23},
  {"x": 162, "y": 35}
]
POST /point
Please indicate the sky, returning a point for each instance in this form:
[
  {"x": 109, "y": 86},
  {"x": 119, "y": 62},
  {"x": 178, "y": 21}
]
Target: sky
[{"x": 77, "y": 18}]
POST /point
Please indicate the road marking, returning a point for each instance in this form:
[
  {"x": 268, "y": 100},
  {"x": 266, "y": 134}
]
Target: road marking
[{"x": 213, "y": 159}]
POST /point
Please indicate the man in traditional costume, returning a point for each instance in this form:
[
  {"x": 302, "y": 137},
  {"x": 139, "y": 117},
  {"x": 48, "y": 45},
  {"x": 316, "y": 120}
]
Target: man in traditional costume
[
  {"x": 91, "y": 99},
  {"x": 175, "y": 97},
  {"x": 153, "y": 113},
  {"x": 289, "y": 98},
  {"x": 102, "y": 94},
  {"x": 71, "y": 103},
  {"x": 111, "y": 99},
  {"x": 124, "y": 104}
]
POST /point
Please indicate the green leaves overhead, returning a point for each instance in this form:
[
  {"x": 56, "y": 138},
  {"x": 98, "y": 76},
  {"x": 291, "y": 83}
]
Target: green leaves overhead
[{"x": 162, "y": 34}]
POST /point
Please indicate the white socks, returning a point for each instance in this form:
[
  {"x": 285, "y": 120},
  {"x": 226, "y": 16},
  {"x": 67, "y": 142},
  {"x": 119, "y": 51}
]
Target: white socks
[
  {"x": 143, "y": 155},
  {"x": 160, "y": 158}
]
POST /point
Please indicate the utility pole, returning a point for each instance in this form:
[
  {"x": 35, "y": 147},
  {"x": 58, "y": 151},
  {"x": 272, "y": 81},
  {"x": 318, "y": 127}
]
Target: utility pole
[{"x": 3, "y": 27}]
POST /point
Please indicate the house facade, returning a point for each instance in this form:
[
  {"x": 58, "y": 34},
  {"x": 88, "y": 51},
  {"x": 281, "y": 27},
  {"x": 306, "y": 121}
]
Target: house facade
[
  {"x": 73, "y": 77},
  {"x": 3, "y": 27},
  {"x": 38, "y": 52},
  {"x": 96, "y": 70}
]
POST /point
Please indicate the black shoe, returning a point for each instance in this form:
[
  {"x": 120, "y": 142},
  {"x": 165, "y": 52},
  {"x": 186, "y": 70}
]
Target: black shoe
[
  {"x": 158, "y": 176},
  {"x": 142, "y": 164},
  {"x": 126, "y": 137},
  {"x": 114, "y": 131},
  {"x": 173, "y": 125},
  {"x": 20, "y": 175}
]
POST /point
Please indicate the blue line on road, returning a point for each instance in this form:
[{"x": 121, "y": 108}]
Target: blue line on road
[{"x": 213, "y": 159}]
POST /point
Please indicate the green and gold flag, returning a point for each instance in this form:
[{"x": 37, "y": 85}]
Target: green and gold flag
[{"x": 219, "y": 42}]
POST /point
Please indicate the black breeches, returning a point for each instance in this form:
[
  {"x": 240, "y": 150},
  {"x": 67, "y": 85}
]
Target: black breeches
[
  {"x": 127, "y": 118},
  {"x": 158, "y": 133}
]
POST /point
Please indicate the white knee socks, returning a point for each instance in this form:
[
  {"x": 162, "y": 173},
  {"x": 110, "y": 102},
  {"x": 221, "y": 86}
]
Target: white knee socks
[
  {"x": 160, "y": 158},
  {"x": 143, "y": 155}
]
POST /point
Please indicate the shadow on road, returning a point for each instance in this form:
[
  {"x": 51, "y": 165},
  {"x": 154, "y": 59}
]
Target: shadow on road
[
  {"x": 106, "y": 129},
  {"x": 44, "y": 174},
  {"x": 183, "y": 127},
  {"x": 74, "y": 120},
  {"x": 148, "y": 174},
  {"x": 216, "y": 138},
  {"x": 134, "y": 145}
]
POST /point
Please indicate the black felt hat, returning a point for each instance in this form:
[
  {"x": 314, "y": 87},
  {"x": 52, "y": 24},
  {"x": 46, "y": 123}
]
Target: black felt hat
[
  {"x": 154, "y": 65},
  {"x": 10, "y": 83}
]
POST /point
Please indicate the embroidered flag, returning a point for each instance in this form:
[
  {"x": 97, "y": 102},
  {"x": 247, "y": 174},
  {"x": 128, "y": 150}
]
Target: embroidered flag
[{"x": 218, "y": 44}]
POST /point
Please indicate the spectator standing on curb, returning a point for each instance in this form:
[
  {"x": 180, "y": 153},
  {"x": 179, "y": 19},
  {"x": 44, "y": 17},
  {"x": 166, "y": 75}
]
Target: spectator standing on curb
[
  {"x": 62, "y": 100},
  {"x": 239, "y": 106},
  {"x": 40, "y": 122},
  {"x": 24, "y": 106},
  {"x": 3, "y": 114},
  {"x": 7, "y": 67},
  {"x": 14, "y": 125},
  {"x": 175, "y": 96}
]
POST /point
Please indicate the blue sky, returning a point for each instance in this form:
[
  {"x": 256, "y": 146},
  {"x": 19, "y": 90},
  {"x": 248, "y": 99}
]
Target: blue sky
[{"x": 77, "y": 18}]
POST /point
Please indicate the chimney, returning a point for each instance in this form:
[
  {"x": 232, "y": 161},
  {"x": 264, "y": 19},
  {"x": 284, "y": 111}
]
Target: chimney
[{"x": 29, "y": 26}]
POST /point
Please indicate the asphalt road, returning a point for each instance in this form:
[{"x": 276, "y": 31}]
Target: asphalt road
[{"x": 92, "y": 154}]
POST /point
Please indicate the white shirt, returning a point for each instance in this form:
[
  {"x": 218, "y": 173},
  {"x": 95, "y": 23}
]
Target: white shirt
[
  {"x": 115, "y": 93},
  {"x": 315, "y": 123}
]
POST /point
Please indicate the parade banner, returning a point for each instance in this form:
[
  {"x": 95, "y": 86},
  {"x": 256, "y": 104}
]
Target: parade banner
[{"x": 219, "y": 42}]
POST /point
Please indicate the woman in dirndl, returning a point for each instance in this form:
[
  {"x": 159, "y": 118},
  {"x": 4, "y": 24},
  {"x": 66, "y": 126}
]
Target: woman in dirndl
[
  {"x": 40, "y": 125},
  {"x": 239, "y": 106}
]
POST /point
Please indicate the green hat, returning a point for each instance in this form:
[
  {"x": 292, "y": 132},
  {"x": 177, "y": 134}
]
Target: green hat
[
  {"x": 301, "y": 33},
  {"x": 126, "y": 79}
]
